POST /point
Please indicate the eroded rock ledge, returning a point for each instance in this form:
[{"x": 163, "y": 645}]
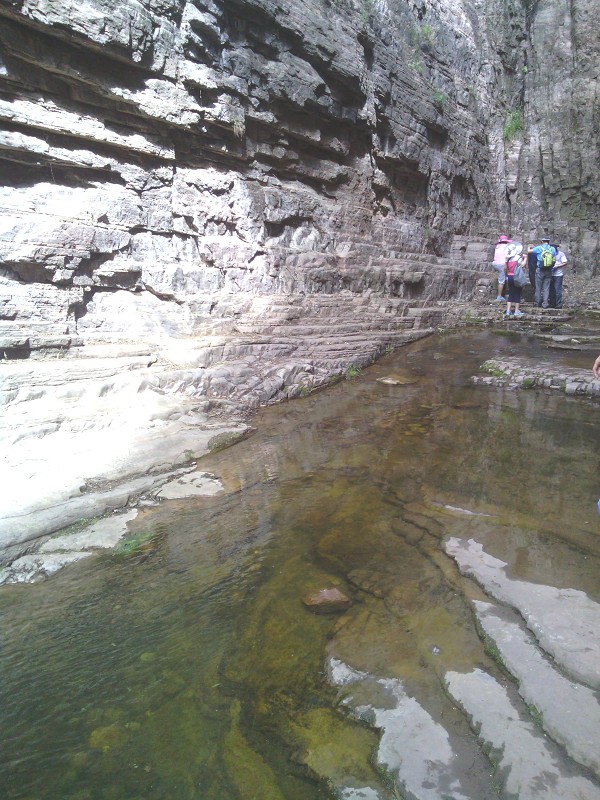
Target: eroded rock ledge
[{"x": 521, "y": 373}]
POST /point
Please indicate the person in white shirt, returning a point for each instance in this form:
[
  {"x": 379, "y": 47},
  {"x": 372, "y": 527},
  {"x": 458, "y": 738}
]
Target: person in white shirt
[
  {"x": 556, "y": 290},
  {"x": 499, "y": 263}
]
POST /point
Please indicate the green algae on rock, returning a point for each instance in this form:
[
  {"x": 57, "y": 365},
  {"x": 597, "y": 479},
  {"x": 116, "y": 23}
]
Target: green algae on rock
[
  {"x": 139, "y": 542},
  {"x": 247, "y": 770}
]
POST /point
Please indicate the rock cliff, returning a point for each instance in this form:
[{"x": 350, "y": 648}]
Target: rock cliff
[{"x": 210, "y": 202}]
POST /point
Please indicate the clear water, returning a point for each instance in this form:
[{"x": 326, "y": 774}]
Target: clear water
[{"x": 190, "y": 669}]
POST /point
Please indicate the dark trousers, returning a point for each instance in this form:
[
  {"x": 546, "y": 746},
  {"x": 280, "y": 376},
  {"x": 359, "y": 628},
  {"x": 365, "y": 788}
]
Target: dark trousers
[
  {"x": 531, "y": 268},
  {"x": 514, "y": 292},
  {"x": 543, "y": 279},
  {"x": 556, "y": 294}
]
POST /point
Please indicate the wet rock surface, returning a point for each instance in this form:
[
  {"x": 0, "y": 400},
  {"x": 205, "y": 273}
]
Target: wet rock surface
[
  {"x": 567, "y": 710},
  {"x": 59, "y": 551},
  {"x": 415, "y": 749},
  {"x": 47, "y": 555},
  {"x": 446, "y": 677},
  {"x": 524, "y": 725}
]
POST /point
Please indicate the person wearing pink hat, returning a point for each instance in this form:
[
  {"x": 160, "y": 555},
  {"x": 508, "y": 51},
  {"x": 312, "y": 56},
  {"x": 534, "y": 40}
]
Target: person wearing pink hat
[{"x": 499, "y": 263}]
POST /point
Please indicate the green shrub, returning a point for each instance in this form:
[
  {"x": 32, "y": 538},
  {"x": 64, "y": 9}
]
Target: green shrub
[
  {"x": 423, "y": 36},
  {"x": 513, "y": 126},
  {"x": 439, "y": 99},
  {"x": 353, "y": 371}
]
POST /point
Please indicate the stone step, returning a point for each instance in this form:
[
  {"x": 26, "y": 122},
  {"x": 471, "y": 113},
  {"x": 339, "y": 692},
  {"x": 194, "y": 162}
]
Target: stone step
[
  {"x": 407, "y": 262},
  {"x": 56, "y": 372},
  {"x": 361, "y": 249},
  {"x": 17, "y": 340},
  {"x": 72, "y": 394}
]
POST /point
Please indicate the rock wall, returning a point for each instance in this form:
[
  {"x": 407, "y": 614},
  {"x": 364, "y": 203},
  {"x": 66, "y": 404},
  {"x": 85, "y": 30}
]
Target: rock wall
[
  {"x": 288, "y": 188},
  {"x": 197, "y": 148},
  {"x": 548, "y": 84}
]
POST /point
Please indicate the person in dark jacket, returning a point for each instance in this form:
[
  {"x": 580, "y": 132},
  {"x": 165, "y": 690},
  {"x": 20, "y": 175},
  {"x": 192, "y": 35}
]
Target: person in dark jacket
[{"x": 531, "y": 265}]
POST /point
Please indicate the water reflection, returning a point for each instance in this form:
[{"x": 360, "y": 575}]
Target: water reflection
[{"x": 190, "y": 669}]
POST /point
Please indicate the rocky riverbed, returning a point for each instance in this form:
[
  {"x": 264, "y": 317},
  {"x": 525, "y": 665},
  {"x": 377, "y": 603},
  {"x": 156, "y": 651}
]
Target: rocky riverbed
[{"x": 462, "y": 660}]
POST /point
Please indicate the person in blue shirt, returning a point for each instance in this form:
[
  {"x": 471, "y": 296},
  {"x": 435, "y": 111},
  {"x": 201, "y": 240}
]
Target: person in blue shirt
[{"x": 543, "y": 274}]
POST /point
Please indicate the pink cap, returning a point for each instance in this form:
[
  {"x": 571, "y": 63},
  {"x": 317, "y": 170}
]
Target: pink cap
[{"x": 503, "y": 238}]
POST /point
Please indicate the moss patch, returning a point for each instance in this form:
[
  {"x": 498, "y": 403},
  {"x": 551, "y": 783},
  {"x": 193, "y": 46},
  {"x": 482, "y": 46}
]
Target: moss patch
[
  {"x": 140, "y": 542},
  {"x": 227, "y": 438}
]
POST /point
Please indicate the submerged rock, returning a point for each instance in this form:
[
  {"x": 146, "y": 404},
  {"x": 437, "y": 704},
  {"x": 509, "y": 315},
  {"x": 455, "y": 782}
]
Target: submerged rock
[
  {"x": 247, "y": 770},
  {"x": 327, "y": 601},
  {"x": 197, "y": 484},
  {"x": 522, "y": 373}
]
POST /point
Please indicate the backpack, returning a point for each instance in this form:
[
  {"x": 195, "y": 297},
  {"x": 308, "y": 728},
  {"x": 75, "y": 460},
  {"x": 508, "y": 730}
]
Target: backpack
[
  {"x": 520, "y": 277},
  {"x": 548, "y": 258}
]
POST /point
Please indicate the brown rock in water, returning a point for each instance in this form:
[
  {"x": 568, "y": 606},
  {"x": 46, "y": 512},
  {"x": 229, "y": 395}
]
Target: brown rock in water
[{"x": 327, "y": 601}]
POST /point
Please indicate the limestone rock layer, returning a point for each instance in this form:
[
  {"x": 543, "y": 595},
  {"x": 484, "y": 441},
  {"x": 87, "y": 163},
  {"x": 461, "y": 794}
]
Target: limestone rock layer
[{"x": 189, "y": 149}]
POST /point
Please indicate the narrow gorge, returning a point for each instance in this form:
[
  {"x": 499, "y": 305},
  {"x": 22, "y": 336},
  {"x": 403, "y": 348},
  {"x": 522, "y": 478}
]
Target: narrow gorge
[{"x": 387, "y": 588}]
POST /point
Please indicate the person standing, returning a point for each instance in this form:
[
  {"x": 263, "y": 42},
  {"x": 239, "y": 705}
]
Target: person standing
[
  {"x": 514, "y": 255},
  {"x": 557, "y": 277},
  {"x": 596, "y": 368},
  {"x": 546, "y": 256},
  {"x": 499, "y": 263}
]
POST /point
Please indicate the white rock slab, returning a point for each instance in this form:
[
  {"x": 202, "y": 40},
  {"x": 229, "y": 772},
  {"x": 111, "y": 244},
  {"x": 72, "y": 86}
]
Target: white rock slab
[
  {"x": 36, "y": 567},
  {"x": 566, "y": 622},
  {"x": 528, "y": 764},
  {"x": 570, "y": 712},
  {"x": 103, "y": 534},
  {"x": 194, "y": 484},
  {"x": 364, "y": 793},
  {"x": 413, "y": 748}
]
